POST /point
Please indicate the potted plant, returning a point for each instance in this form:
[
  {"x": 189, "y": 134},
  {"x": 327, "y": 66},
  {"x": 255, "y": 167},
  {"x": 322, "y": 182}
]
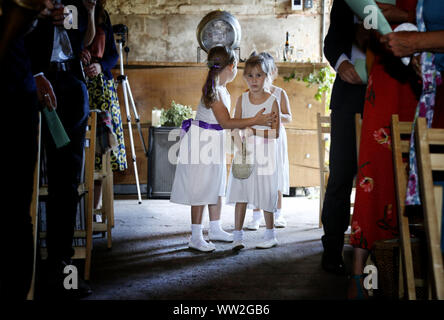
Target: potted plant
[
  {"x": 160, "y": 170},
  {"x": 174, "y": 116}
]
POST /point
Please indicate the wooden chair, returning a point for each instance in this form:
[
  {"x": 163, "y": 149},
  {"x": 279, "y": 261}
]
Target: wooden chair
[
  {"x": 400, "y": 149},
  {"x": 429, "y": 161},
  {"x": 34, "y": 208},
  {"x": 86, "y": 189},
  {"x": 104, "y": 217},
  {"x": 324, "y": 128}
]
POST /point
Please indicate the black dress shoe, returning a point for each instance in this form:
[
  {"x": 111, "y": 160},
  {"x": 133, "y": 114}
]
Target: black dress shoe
[
  {"x": 333, "y": 265},
  {"x": 83, "y": 290}
]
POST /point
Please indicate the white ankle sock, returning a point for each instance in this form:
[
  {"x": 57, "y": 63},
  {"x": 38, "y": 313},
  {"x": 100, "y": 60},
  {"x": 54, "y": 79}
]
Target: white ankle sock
[
  {"x": 257, "y": 215},
  {"x": 238, "y": 235},
  {"x": 196, "y": 232},
  {"x": 215, "y": 226},
  {"x": 269, "y": 234},
  {"x": 277, "y": 213}
]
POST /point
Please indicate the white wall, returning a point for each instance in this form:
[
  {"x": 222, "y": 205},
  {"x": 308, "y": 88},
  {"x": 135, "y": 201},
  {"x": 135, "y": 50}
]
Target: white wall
[{"x": 162, "y": 30}]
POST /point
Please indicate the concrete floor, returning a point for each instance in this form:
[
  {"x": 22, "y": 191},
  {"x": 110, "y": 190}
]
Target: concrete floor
[{"x": 150, "y": 258}]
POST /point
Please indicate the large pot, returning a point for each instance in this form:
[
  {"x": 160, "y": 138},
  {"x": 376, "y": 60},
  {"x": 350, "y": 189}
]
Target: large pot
[{"x": 218, "y": 28}]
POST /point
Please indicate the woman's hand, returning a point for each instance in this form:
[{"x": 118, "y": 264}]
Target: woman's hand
[
  {"x": 401, "y": 44},
  {"x": 262, "y": 119},
  {"x": 85, "y": 57},
  {"x": 93, "y": 70}
]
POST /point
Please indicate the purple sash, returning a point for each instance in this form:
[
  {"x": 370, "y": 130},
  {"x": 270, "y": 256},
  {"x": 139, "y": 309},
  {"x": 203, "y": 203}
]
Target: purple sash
[{"x": 186, "y": 124}]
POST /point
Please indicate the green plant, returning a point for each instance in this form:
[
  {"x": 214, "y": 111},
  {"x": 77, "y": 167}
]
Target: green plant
[
  {"x": 174, "y": 116},
  {"x": 323, "y": 78}
]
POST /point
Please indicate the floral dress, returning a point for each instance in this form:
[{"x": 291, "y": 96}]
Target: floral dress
[
  {"x": 388, "y": 92},
  {"x": 103, "y": 94}
]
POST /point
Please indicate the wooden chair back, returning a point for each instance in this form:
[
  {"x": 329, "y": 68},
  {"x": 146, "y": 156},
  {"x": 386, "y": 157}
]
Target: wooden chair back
[
  {"x": 430, "y": 161},
  {"x": 400, "y": 134}
]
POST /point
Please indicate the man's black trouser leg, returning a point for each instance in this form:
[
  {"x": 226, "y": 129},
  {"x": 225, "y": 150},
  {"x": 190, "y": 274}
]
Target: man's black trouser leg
[
  {"x": 64, "y": 165},
  {"x": 343, "y": 166}
]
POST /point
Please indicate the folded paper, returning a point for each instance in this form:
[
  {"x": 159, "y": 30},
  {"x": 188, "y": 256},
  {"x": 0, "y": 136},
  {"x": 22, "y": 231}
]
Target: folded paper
[
  {"x": 393, "y": 2},
  {"x": 56, "y": 128},
  {"x": 367, "y": 10},
  {"x": 361, "y": 69}
]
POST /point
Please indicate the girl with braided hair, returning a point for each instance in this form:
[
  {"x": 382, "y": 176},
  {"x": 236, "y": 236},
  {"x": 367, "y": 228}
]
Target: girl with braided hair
[{"x": 200, "y": 176}]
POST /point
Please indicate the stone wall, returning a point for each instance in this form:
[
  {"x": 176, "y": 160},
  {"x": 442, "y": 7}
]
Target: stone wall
[{"x": 165, "y": 30}]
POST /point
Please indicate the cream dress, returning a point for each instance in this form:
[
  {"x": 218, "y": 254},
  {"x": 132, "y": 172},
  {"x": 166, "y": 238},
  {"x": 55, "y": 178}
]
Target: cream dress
[
  {"x": 284, "y": 168},
  {"x": 260, "y": 189},
  {"x": 201, "y": 171}
]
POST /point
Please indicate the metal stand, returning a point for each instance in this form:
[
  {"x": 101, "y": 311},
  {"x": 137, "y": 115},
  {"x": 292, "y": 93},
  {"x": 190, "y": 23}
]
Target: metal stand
[{"x": 123, "y": 79}]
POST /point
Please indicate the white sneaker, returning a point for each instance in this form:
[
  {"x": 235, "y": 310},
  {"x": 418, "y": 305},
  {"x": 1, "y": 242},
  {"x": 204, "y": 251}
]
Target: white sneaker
[
  {"x": 220, "y": 235},
  {"x": 254, "y": 224},
  {"x": 201, "y": 245},
  {"x": 267, "y": 244},
  {"x": 238, "y": 245},
  {"x": 280, "y": 222}
]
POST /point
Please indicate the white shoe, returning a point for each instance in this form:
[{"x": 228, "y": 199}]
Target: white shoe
[
  {"x": 254, "y": 224},
  {"x": 201, "y": 245},
  {"x": 267, "y": 244},
  {"x": 280, "y": 222},
  {"x": 238, "y": 245},
  {"x": 220, "y": 235}
]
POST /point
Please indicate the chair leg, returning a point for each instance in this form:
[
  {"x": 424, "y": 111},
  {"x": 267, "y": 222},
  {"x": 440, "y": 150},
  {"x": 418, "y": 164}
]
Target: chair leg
[
  {"x": 401, "y": 277},
  {"x": 34, "y": 210},
  {"x": 321, "y": 198},
  {"x": 406, "y": 255},
  {"x": 89, "y": 207},
  {"x": 403, "y": 221},
  {"x": 108, "y": 199},
  {"x": 88, "y": 254}
]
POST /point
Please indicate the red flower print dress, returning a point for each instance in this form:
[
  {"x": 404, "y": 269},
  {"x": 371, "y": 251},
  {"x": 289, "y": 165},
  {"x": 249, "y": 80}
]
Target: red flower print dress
[{"x": 374, "y": 216}]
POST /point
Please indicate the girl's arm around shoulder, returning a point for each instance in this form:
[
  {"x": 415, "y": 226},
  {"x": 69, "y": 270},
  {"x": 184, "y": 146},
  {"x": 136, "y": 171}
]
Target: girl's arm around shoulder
[
  {"x": 223, "y": 116},
  {"x": 272, "y": 133}
]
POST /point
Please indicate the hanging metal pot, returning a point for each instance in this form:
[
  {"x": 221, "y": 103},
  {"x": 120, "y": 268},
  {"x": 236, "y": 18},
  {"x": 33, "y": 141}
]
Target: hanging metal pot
[{"x": 218, "y": 28}]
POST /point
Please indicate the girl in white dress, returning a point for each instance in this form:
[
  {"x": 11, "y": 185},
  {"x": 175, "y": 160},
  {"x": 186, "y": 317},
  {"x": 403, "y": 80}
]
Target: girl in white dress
[
  {"x": 260, "y": 189},
  {"x": 284, "y": 175},
  {"x": 201, "y": 169}
]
